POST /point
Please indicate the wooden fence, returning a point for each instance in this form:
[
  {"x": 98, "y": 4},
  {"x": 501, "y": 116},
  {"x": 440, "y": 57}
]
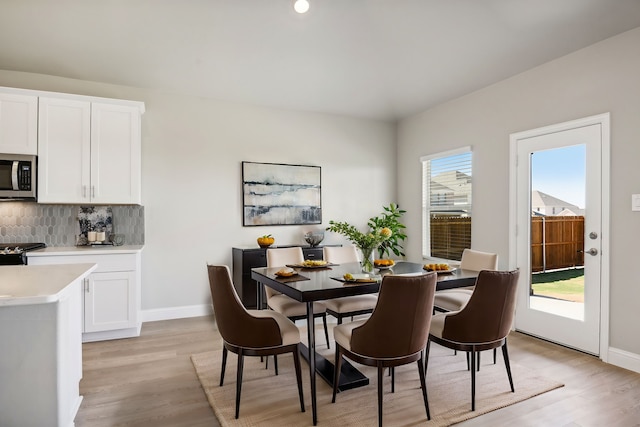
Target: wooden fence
[{"x": 555, "y": 240}]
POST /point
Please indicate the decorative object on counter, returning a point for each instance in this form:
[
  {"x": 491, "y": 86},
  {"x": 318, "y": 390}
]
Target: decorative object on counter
[
  {"x": 366, "y": 242},
  {"x": 313, "y": 238},
  {"x": 280, "y": 194},
  {"x": 96, "y": 224},
  {"x": 266, "y": 241},
  {"x": 117, "y": 239},
  {"x": 390, "y": 219}
]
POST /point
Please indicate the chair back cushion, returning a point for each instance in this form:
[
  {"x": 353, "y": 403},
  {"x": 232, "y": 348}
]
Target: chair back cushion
[
  {"x": 340, "y": 254},
  {"x": 399, "y": 325},
  {"x": 279, "y": 257},
  {"x": 478, "y": 261},
  {"x": 235, "y": 324},
  {"x": 488, "y": 316}
]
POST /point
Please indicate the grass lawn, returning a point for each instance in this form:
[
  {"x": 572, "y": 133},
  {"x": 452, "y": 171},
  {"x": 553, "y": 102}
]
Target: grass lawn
[{"x": 562, "y": 284}]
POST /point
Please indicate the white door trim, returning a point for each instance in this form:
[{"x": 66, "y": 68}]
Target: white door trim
[{"x": 603, "y": 120}]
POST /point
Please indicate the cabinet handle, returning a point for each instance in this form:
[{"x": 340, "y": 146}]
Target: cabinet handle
[
  {"x": 86, "y": 285},
  {"x": 93, "y": 191},
  {"x": 84, "y": 191}
]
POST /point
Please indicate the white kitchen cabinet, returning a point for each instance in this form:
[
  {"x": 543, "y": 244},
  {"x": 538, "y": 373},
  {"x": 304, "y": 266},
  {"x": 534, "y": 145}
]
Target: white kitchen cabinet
[
  {"x": 18, "y": 123},
  {"x": 109, "y": 301},
  {"x": 111, "y": 294},
  {"x": 89, "y": 151}
]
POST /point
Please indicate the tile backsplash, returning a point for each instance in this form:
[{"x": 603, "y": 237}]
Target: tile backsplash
[{"x": 57, "y": 225}]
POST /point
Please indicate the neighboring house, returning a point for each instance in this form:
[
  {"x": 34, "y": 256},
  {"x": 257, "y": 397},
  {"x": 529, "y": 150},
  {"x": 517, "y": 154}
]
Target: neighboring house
[
  {"x": 545, "y": 204},
  {"x": 452, "y": 188}
]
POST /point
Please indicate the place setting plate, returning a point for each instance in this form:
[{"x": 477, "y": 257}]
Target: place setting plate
[
  {"x": 311, "y": 265},
  {"x": 438, "y": 268},
  {"x": 358, "y": 278}
]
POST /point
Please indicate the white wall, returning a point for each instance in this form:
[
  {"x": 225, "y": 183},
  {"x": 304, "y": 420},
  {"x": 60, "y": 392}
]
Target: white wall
[
  {"x": 601, "y": 78},
  {"x": 191, "y": 179}
]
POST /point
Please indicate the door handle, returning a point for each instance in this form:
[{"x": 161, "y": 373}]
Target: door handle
[{"x": 592, "y": 252}]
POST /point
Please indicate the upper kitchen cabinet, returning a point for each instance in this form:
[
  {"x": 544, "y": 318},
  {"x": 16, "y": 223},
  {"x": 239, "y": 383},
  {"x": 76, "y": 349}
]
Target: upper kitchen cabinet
[
  {"x": 18, "y": 123},
  {"x": 89, "y": 151}
]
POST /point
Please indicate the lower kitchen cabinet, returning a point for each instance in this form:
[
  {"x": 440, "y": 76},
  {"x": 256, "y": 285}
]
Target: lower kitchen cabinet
[
  {"x": 110, "y": 295},
  {"x": 109, "y": 301}
]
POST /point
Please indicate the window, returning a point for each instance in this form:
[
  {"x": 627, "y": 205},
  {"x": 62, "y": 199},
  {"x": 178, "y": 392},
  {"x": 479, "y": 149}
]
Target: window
[{"x": 446, "y": 203}]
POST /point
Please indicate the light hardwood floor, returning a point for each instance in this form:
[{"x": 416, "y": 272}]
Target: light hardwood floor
[{"x": 150, "y": 381}]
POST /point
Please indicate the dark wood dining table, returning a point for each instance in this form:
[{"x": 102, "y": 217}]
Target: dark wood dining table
[{"x": 316, "y": 284}]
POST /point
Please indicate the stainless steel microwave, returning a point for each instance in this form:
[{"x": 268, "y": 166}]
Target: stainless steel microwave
[{"x": 18, "y": 177}]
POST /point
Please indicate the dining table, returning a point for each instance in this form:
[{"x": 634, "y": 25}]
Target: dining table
[{"x": 322, "y": 282}]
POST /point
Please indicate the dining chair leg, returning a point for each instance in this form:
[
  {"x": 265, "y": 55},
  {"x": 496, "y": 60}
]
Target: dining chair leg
[
  {"x": 505, "y": 354},
  {"x": 392, "y": 370},
  {"x": 426, "y": 356},
  {"x": 326, "y": 330},
  {"x": 275, "y": 363},
  {"x": 336, "y": 372},
  {"x": 473, "y": 380},
  {"x": 380, "y": 375},
  {"x": 478, "y": 362},
  {"x": 239, "y": 381},
  {"x": 296, "y": 363},
  {"x": 495, "y": 351},
  {"x": 423, "y": 385},
  {"x": 224, "y": 365}
]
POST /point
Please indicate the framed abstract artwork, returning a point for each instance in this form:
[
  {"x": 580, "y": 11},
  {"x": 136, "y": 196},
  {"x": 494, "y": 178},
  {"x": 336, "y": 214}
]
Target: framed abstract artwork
[{"x": 280, "y": 194}]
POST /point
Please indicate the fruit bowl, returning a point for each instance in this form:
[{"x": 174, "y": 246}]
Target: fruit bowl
[{"x": 265, "y": 241}]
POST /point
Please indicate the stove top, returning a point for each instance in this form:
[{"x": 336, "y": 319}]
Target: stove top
[{"x": 13, "y": 253}]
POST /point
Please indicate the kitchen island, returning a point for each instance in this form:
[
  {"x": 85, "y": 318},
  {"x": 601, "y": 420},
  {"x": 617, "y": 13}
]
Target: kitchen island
[{"x": 41, "y": 344}]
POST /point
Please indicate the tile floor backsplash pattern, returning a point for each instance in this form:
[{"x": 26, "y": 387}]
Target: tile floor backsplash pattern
[{"x": 57, "y": 225}]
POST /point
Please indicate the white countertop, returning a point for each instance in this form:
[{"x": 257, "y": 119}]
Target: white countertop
[
  {"x": 38, "y": 284},
  {"x": 85, "y": 250}
]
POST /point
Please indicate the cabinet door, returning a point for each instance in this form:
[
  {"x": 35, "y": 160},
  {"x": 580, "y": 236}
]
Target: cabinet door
[
  {"x": 63, "y": 151},
  {"x": 109, "y": 301},
  {"x": 18, "y": 124},
  {"x": 115, "y": 154}
]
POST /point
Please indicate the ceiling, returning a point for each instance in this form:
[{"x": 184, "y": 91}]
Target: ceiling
[{"x": 379, "y": 59}]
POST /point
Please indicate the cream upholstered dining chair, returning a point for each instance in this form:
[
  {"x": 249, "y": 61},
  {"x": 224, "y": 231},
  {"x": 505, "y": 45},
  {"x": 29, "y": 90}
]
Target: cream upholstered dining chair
[
  {"x": 483, "y": 323},
  {"x": 250, "y": 332},
  {"x": 455, "y": 299},
  {"x": 347, "y": 306},
  {"x": 294, "y": 310},
  {"x": 396, "y": 333}
]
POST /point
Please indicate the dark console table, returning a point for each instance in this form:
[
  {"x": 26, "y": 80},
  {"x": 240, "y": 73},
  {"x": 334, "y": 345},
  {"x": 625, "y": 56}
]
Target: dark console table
[{"x": 244, "y": 259}]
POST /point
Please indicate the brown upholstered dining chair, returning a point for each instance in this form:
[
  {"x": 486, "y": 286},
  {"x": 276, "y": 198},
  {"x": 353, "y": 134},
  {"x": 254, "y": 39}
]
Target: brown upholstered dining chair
[
  {"x": 455, "y": 299},
  {"x": 294, "y": 310},
  {"x": 347, "y": 306},
  {"x": 483, "y": 323},
  {"x": 396, "y": 333},
  {"x": 250, "y": 332}
]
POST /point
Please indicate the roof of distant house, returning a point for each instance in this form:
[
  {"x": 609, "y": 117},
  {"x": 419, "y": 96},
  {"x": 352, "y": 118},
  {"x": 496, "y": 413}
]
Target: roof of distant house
[{"x": 540, "y": 199}]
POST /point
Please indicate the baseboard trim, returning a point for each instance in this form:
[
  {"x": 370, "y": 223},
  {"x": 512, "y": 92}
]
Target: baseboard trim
[
  {"x": 115, "y": 334},
  {"x": 624, "y": 359},
  {"x": 176, "y": 312}
]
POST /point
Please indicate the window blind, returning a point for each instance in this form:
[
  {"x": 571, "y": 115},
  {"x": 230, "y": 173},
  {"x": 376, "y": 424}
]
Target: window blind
[{"x": 446, "y": 203}]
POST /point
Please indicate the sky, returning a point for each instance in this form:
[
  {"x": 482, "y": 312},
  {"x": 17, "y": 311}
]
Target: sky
[{"x": 560, "y": 173}]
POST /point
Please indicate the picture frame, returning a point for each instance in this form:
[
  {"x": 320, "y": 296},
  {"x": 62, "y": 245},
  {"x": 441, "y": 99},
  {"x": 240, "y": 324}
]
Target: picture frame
[{"x": 281, "y": 194}]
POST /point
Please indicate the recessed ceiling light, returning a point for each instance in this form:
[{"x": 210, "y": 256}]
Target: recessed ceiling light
[{"x": 301, "y": 6}]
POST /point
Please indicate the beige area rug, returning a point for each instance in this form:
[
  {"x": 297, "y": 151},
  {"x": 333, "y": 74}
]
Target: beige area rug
[{"x": 270, "y": 400}]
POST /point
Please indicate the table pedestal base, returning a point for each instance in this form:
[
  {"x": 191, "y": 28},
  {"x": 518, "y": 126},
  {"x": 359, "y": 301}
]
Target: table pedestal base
[{"x": 350, "y": 377}]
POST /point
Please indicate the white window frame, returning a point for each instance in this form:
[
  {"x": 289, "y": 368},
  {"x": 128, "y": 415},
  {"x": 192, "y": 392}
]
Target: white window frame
[{"x": 426, "y": 191}]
